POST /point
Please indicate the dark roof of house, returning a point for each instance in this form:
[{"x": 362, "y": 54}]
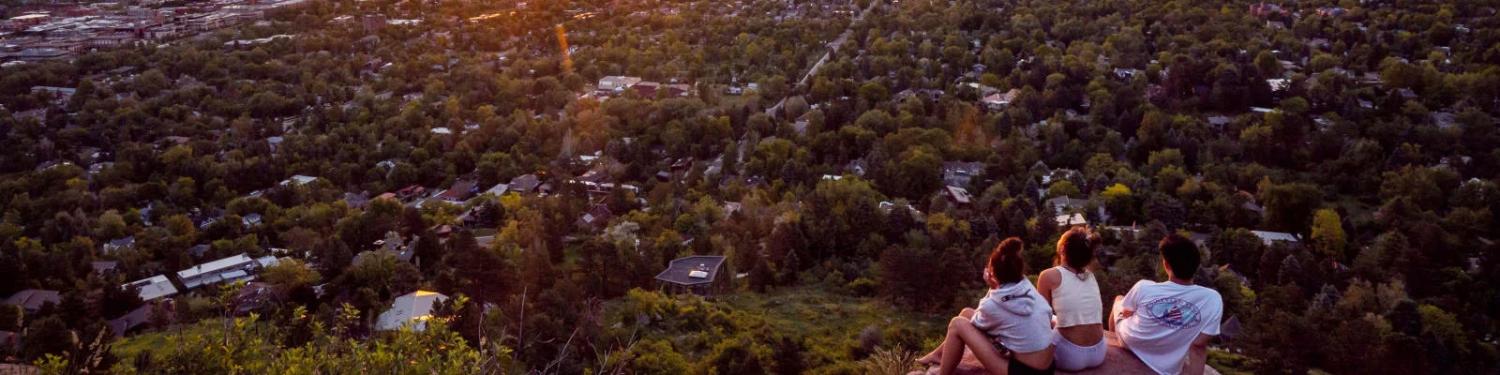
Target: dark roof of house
[
  {"x": 199, "y": 250},
  {"x": 104, "y": 265},
  {"x": 677, "y": 272},
  {"x": 33, "y": 299},
  {"x": 357, "y": 200},
  {"x": 461, "y": 190},
  {"x": 525, "y": 183},
  {"x": 134, "y": 318},
  {"x": 598, "y": 214},
  {"x": 122, "y": 241}
]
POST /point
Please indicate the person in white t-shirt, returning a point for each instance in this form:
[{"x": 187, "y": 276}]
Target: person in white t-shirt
[{"x": 1168, "y": 324}]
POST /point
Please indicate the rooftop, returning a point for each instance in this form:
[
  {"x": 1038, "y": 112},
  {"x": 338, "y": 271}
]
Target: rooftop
[
  {"x": 415, "y": 307},
  {"x": 692, "y": 270},
  {"x": 153, "y": 287},
  {"x": 34, "y": 299}
]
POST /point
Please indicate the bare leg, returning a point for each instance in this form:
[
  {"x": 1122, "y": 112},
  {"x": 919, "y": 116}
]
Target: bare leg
[
  {"x": 932, "y": 358},
  {"x": 961, "y": 334}
]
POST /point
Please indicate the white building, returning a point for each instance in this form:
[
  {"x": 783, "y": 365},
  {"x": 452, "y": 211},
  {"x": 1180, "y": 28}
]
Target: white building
[
  {"x": 1269, "y": 238},
  {"x": 616, "y": 84},
  {"x": 231, "y": 269},
  {"x": 414, "y": 308},
  {"x": 152, "y": 288}
]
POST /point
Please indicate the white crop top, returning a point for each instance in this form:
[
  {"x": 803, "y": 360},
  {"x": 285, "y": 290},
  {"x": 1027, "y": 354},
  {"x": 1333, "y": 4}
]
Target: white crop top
[{"x": 1076, "y": 299}]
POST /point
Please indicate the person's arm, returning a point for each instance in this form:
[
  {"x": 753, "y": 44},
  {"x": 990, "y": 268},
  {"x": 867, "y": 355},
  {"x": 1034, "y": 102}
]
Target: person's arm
[
  {"x": 1046, "y": 282},
  {"x": 1125, "y": 305},
  {"x": 1197, "y": 357},
  {"x": 986, "y": 315}
]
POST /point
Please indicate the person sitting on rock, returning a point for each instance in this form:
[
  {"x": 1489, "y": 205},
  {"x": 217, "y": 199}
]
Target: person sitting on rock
[
  {"x": 1010, "y": 331},
  {"x": 1169, "y": 324},
  {"x": 1073, "y": 293}
]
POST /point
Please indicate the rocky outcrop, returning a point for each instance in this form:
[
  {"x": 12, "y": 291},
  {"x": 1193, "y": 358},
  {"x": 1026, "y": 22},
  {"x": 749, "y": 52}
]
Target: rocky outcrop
[{"x": 1119, "y": 361}]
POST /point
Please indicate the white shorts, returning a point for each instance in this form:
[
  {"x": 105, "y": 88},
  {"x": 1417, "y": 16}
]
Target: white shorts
[{"x": 1071, "y": 357}]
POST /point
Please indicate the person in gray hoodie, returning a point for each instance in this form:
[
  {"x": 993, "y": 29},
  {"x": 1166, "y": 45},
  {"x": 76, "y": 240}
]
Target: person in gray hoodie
[{"x": 1011, "y": 329}]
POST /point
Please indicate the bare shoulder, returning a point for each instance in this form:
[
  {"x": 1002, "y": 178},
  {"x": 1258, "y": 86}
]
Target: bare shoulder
[{"x": 1049, "y": 277}]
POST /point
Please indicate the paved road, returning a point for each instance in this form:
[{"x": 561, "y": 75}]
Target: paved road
[{"x": 832, "y": 47}]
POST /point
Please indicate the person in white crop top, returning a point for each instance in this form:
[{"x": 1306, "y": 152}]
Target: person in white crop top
[{"x": 1073, "y": 293}]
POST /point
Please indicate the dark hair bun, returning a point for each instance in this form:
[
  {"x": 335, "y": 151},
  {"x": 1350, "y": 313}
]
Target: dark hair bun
[{"x": 1006, "y": 263}]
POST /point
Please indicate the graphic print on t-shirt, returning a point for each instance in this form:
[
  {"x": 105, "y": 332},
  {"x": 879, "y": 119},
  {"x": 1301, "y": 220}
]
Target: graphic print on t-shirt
[{"x": 1172, "y": 312}]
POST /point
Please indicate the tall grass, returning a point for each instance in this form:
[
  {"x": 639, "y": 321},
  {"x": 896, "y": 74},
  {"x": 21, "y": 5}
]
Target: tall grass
[{"x": 890, "y": 362}]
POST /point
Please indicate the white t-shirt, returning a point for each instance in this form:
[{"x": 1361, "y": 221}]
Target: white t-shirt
[{"x": 1167, "y": 318}]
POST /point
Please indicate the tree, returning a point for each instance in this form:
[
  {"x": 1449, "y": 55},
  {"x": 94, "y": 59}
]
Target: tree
[
  {"x": 1121, "y": 203},
  {"x": 1328, "y": 233},
  {"x": 1289, "y": 207},
  {"x": 842, "y": 213},
  {"x": 290, "y": 276},
  {"x": 874, "y": 92},
  {"x": 1267, "y": 64},
  {"x": 1061, "y": 189},
  {"x": 917, "y": 174}
]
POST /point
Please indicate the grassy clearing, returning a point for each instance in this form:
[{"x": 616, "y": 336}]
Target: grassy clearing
[{"x": 839, "y": 329}]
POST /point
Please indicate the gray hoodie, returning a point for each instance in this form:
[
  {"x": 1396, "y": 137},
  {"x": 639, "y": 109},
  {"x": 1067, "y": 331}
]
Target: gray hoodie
[{"x": 1016, "y": 316}]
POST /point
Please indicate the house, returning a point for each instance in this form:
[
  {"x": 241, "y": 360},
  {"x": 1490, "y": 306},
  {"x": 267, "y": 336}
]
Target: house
[
  {"x": 477, "y": 216},
  {"x": 1062, "y": 205},
  {"x": 890, "y": 206},
  {"x": 394, "y": 244},
  {"x": 1126, "y": 73},
  {"x": 498, "y": 189},
  {"x": 699, "y": 274},
  {"x": 60, "y": 95},
  {"x": 152, "y": 288},
  {"x": 250, "y": 220},
  {"x": 616, "y": 84},
  {"x": 1068, "y": 220},
  {"x": 524, "y": 184},
  {"x": 1218, "y": 122},
  {"x": 409, "y": 193},
  {"x": 1279, "y": 84},
  {"x": 998, "y": 101},
  {"x": 957, "y": 173},
  {"x": 135, "y": 318},
  {"x": 596, "y": 217},
  {"x": 1269, "y": 238},
  {"x": 104, "y": 267},
  {"x": 118, "y": 244},
  {"x": 298, "y": 180},
  {"x": 1331, "y": 11},
  {"x": 252, "y": 297},
  {"x": 230, "y": 269},
  {"x": 199, "y": 250},
  {"x": 958, "y": 195},
  {"x": 33, "y": 299},
  {"x": 413, "y": 309},
  {"x": 461, "y": 191},
  {"x": 729, "y": 208}
]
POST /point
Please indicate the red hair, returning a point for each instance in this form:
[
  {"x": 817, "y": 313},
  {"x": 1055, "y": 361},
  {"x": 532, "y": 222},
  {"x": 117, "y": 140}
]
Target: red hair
[{"x": 1005, "y": 263}]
